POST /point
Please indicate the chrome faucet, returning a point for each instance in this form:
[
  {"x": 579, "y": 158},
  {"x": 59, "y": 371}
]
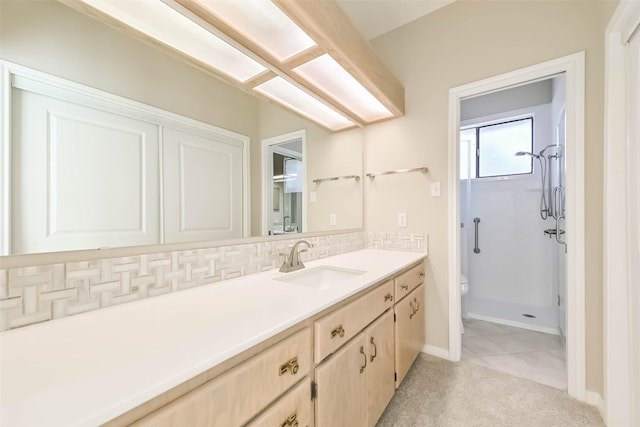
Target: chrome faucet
[{"x": 293, "y": 262}]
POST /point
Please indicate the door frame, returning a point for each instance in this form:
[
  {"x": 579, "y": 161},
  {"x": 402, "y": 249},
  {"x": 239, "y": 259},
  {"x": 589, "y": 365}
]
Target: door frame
[
  {"x": 574, "y": 68},
  {"x": 619, "y": 307},
  {"x": 267, "y": 172}
]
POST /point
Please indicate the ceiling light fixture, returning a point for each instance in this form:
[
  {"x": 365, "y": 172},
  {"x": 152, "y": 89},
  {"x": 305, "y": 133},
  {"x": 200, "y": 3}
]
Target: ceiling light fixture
[
  {"x": 278, "y": 48},
  {"x": 263, "y": 23},
  {"x": 294, "y": 98},
  {"x": 182, "y": 34},
  {"x": 331, "y": 78}
]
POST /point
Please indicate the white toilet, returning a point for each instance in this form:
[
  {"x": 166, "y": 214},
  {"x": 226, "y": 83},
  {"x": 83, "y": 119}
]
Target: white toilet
[
  {"x": 464, "y": 289},
  {"x": 464, "y": 284}
]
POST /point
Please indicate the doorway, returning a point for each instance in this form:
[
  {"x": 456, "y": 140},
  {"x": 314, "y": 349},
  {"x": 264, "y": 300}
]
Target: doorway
[
  {"x": 284, "y": 166},
  {"x": 512, "y": 175},
  {"x": 573, "y": 68}
]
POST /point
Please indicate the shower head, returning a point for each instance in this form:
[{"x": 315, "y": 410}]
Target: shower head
[
  {"x": 546, "y": 148},
  {"x": 526, "y": 153}
]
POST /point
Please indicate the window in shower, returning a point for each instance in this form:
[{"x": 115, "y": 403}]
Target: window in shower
[{"x": 489, "y": 150}]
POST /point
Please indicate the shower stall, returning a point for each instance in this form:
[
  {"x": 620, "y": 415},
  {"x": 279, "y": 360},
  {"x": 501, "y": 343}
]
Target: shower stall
[{"x": 512, "y": 191}]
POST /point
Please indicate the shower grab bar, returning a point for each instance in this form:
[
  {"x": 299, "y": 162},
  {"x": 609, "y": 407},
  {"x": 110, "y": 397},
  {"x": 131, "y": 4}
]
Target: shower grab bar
[
  {"x": 559, "y": 231},
  {"x": 557, "y": 202},
  {"x": 476, "y": 221}
]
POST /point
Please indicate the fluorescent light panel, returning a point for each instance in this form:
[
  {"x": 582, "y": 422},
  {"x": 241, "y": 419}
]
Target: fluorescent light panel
[
  {"x": 329, "y": 76},
  {"x": 264, "y": 23},
  {"x": 161, "y": 22},
  {"x": 289, "y": 95}
]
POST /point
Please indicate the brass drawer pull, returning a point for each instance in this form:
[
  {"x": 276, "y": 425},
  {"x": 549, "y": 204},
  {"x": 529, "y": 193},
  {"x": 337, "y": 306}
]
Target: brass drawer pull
[
  {"x": 365, "y": 359},
  {"x": 290, "y": 366},
  {"x": 291, "y": 421},
  {"x": 338, "y": 331},
  {"x": 421, "y": 274},
  {"x": 405, "y": 287},
  {"x": 417, "y": 304},
  {"x": 388, "y": 297},
  {"x": 375, "y": 350}
]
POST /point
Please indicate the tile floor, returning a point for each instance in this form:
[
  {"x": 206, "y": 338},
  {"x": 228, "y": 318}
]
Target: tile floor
[{"x": 526, "y": 354}]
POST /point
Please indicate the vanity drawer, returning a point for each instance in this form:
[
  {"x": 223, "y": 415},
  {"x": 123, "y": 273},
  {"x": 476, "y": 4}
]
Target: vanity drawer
[
  {"x": 340, "y": 326},
  {"x": 295, "y": 406},
  {"x": 240, "y": 393},
  {"x": 408, "y": 281}
]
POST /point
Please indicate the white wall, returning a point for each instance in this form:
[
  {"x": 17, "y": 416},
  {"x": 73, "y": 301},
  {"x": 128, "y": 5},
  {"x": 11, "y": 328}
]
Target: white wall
[{"x": 464, "y": 42}]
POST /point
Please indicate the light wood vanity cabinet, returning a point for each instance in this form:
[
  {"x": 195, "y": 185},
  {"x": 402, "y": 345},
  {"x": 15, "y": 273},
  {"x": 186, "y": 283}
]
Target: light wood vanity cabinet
[
  {"x": 352, "y": 357},
  {"x": 356, "y": 383},
  {"x": 409, "y": 330},
  {"x": 335, "y": 329},
  {"x": 408, "y": 281},
  {"x": 239, "y": 394},
  {"x": 293, "y": 409}
]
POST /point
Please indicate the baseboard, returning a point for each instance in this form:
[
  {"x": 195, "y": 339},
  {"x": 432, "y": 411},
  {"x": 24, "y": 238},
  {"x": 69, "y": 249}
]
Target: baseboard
[
  {"x": 552, "y": 331},
  {"x": 594, "y": 398},
  {"x": 436, "y": 351}
]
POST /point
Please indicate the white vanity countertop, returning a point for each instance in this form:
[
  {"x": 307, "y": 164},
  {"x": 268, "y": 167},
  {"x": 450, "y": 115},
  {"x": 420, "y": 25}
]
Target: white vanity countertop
[{"x": 86, "y": 369}]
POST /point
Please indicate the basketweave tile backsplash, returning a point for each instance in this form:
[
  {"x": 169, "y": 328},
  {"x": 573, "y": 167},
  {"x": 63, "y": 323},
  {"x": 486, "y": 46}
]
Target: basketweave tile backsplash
[
  {"x": 403, "y": 242},
  {"x": 41, "y": 293}
]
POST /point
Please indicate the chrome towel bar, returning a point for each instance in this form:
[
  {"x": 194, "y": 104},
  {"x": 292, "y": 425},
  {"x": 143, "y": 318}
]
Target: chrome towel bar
[
  {"x": 372, "y": 175},
  {"x": 337, "y": 178}
]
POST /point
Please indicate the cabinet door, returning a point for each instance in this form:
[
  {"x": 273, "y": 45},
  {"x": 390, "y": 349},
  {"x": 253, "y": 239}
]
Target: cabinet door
[
  {"x": 410, "y": 331},
  {"x": 202, "y": 187},
  {"x": 342, "y": 387},
  {"x": 81, "y": 177},
  {"x": 379, "y": 338}
]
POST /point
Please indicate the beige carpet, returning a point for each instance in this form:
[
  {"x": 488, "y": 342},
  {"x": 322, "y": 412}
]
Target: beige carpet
[{"x": 437, "y": 392}]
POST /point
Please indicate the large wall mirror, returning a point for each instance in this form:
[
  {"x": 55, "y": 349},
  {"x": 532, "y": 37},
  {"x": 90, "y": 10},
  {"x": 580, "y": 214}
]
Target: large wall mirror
[{"x": 55, "y": 39}]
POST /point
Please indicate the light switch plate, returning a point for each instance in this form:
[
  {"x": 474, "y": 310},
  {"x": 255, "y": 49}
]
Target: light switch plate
[
  {"x": 332, "y": 219},
  {"x": 402, "y": 220},
  {"x": 435, "y": 189},
  {"x": 312, "y": 197}
]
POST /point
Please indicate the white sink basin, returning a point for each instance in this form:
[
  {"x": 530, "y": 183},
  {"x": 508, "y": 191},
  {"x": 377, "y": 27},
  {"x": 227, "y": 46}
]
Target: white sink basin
[{"x": 321, "y": 277}]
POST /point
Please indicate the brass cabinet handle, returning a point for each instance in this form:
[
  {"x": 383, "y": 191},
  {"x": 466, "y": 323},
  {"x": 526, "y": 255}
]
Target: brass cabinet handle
[
  {"x": 365, "y": 359},
  {"x": 405, "y": 287},
  {"x": 415, "y": 309},
  {"x": 388, "y": 297},
  {"x": 338, "y": 331},
  {"x": 290, "y": 366},
  {"x": 421, "y": 274},
  {"x": 375, "y": 350},
  {"x": 291, "y": 421}
]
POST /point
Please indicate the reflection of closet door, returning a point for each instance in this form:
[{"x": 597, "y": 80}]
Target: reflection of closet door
[
  {"x": 81, "y": 177},
  {"x": 202, "y": 187}
]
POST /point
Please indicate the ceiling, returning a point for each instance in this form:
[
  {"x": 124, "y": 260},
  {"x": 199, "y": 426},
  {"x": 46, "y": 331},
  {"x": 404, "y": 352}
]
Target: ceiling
[{"x": 376, "y": 17}]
